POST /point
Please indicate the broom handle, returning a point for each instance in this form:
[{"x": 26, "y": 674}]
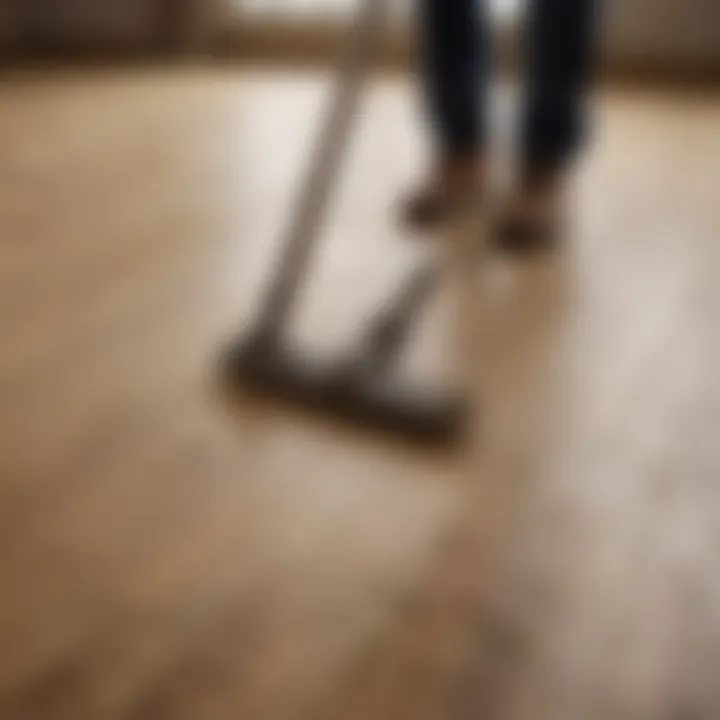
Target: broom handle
[
  {"x": 389, "y": 328},
  {"x": 315, "y": 194}
]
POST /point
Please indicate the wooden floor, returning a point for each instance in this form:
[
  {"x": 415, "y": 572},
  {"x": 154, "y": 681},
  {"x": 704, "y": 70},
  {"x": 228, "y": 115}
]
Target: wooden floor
[{"x": 167, "y": 554}]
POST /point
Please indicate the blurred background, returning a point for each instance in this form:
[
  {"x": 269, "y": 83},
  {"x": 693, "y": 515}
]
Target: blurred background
[
  {"x": 664, "y": 34},
  {"x": 168, "y": 554}
]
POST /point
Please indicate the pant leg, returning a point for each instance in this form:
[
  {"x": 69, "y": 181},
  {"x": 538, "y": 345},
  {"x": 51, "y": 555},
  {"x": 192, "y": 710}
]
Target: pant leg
[
  {"x": 560, "y": 43},
  {"x": 455, "y": 57}
]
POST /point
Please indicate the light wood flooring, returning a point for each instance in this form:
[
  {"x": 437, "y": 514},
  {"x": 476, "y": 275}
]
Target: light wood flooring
[{"x": 168, "y": 555}]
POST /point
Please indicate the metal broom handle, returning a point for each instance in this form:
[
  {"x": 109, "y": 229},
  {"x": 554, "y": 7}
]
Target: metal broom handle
[{"x": 315, "y": 193}]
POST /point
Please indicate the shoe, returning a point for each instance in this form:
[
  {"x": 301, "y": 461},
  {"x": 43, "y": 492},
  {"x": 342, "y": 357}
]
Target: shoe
[
  {"x": 453, "y": 186},
  {"x": 532, "y": 218}
]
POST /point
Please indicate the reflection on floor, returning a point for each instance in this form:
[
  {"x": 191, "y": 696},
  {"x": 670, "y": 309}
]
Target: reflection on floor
[{"x": 166, "y": 555}]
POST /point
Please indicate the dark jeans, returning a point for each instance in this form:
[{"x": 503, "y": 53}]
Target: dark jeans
[{"x": 558, "y": 59}]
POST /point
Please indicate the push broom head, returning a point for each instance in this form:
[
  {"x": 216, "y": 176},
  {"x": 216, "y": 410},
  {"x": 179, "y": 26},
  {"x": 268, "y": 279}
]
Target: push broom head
[{"x": 353, "y": 392}]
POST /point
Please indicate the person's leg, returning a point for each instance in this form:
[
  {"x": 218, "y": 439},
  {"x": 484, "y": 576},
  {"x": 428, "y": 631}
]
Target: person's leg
[
  {"x": 559, "y": 62},
  {"x": 454, "y": 53},
  {"x": 454, "y": 56}
]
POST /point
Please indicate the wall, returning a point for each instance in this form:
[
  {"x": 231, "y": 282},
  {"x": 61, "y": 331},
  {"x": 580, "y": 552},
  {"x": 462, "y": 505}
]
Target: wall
[
  {"x": 7, "y": 25},
  {"x": 669, "y": 30},
  {"x": 86, "y": 21},
  {"x": 107, "y": 23},
  {"x": 682, "y": 30}
]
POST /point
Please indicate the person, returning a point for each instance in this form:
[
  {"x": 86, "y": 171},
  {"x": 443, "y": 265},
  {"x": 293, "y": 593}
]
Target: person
[{"x": 558, "y": 61}]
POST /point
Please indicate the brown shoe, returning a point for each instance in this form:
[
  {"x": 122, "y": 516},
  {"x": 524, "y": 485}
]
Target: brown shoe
[
  {"x": 532, "y": 218},
  {"x": 454, "y": 185}
]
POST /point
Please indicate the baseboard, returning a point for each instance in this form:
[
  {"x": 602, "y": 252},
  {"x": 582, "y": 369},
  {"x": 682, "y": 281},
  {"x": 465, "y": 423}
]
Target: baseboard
[{"x": 320, "y": 43}]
